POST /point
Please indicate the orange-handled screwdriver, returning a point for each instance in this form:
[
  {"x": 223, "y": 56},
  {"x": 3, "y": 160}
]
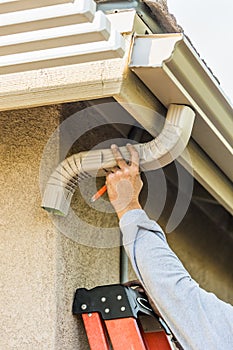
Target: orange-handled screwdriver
[{"x": 99, "y": 193}]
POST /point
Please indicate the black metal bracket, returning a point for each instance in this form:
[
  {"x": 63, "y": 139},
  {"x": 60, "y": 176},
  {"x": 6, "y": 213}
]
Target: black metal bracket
[{"x": 111, "y": 301}]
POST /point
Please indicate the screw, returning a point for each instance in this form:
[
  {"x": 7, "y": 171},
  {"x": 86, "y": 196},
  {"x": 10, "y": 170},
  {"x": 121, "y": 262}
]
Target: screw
[
  {"x": 119, "y": 297},
  {"x": 103, "y": 299},
  {"x": 90, "y": 314},
  {"x": 106, "y": 310},
  {"x": 83, "y": 306},
  {"x": 123, "y": 308}
]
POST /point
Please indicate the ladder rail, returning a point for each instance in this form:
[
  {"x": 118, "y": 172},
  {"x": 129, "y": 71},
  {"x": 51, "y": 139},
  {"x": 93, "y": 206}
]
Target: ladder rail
[
  {"x": 96, "y": 332},
  {"x": 117, "y": 317}
]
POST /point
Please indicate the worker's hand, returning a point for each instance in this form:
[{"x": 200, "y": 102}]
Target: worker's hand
[{"x": 124, "y": 183}]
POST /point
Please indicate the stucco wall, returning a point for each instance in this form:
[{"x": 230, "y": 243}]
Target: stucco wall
[
  {"x": 40, "y": 267},
  {"x": 28, "y": 240}
]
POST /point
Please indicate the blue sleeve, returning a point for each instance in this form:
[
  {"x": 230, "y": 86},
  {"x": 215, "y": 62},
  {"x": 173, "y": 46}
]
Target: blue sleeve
[{"x": 198, "y": 319}]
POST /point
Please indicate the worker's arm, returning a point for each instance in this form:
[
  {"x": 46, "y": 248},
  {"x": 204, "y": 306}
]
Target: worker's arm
[{"x": 198, "y": 319}]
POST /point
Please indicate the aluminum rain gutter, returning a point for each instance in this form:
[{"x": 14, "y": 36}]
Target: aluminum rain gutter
[
  {"x": 155, "y": 154},
  {"x": 170, "y": 67}
]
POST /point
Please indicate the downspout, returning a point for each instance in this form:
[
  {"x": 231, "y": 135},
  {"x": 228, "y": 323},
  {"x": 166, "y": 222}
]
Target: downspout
[{"x": 166, "y": 147}]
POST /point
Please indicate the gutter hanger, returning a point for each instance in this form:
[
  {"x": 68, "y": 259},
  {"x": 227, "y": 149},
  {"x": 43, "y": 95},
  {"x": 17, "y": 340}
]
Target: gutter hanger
[{"x": 166, "y": 147}]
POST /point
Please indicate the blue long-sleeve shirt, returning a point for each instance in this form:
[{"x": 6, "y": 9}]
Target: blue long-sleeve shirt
[{"x": 198, "y": 319}]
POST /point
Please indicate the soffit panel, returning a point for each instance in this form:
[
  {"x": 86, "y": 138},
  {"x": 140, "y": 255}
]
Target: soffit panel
[
  {"x": 52, "y": 36},
  {"x": 20, "y": 5},
  {"x": 49, "y": 15}
]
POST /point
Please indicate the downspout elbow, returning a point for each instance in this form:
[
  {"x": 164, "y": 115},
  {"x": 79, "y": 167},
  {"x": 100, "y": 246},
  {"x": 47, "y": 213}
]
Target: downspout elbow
[{"x": 155, "y": 154}]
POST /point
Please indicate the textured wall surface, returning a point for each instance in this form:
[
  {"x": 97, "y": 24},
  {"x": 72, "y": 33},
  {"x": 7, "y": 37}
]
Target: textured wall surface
[
  {"x": 28, "y": 240},
  {"x": 40, "y": 268}
]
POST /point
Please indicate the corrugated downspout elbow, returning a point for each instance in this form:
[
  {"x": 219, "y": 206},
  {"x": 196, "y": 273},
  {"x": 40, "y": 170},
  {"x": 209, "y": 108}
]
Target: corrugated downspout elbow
[{"x": 155, "y": 154}]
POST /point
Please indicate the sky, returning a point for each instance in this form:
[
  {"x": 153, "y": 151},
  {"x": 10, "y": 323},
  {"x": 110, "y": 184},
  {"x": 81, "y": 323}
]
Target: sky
[{"x": 208, "y": 23}]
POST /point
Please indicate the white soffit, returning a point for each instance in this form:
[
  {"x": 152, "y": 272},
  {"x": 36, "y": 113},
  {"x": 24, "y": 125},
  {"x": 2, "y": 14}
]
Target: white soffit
[
  {"x": 169, "y": 66},
  {"x": 61, "y": 56},
  {"x": 64, "y": 55},
  {"x": 43, "y": 39},
  {"x": 79, "y": 11},
  {"x": 55, "y": 36},
  {"x": 18, "y": 5}
]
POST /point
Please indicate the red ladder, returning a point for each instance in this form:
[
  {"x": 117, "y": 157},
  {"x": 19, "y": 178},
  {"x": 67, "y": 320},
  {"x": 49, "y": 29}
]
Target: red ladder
[{"x": 120, "y": 318}]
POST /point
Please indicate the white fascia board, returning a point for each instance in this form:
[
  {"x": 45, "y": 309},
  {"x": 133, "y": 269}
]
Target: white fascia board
[
  {"x": 61, "y": 56},
  {"x": 18, "y": 5},
  {"x": 79, "y": 11},
  {"x": 76, "y": 82},
  {"x": 98, "y": 30},
  {"x": 169, "y": 66}
]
